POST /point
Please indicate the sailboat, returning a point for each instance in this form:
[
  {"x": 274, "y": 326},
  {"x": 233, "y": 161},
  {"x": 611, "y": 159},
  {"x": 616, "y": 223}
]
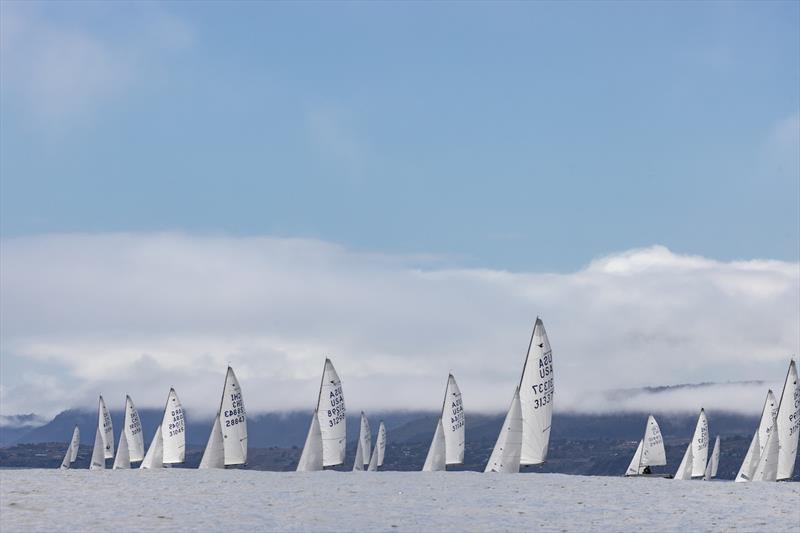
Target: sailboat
[
  {"x": 650, "y": 451},
  {"x": 168, "y": 446},
  {"x": 453, "y": 424},
  {"x": 104, "y": 437},
  {"x": 693, "y": 464},
  {"x": 130, "y": 438},
  {"x": 364, "y": 445},
  {"x": 379, "y": 451},
  {"x": 536, "y": 390},
  {"x": 506, "y": 453},
  {"x": 713, "y": 463},
  {"x": 227, "y": 444},
  {"x": 758, "y": 444},
  {"x": 173, "y": 431},
  {"x": 106, "y": 428},
  {"x": 331, "y": 425},
  {"x": 72, "y": 450},
  {"x": 788, "y": 424}
]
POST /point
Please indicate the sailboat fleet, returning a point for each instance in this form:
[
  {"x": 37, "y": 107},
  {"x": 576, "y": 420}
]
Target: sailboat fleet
[
  {"x": 770, "y": 457},
  {"x": 523, "y": 439}
]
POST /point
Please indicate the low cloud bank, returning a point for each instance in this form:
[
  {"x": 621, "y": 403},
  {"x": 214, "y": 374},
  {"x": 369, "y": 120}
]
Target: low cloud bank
[{"x": 137, "y": 313}]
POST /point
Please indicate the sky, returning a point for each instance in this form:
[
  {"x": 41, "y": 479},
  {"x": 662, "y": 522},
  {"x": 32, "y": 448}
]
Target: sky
[{"x": 401, "y": 186}]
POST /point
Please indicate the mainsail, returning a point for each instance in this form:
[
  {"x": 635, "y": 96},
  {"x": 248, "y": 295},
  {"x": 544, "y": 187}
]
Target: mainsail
[
  {"x": 311, "y": 458},
  {"x": 381, "y": 443},
  {"x": 437, "y": 455},
  {"x": 713, "y": 463},
  {"x": 453, "y": 422},
  {"x": 154, "y": 458},
  {"x": 123, "y": 458},
  {"x": 72, "y": 450},
  {"x": 331, "y": 413},
  {"x": 700, "y": 445},
  {"x": 173, "y": 432},
  {"x": 759, "y": 441},
  {"x": 365, "y": 440},
  {"x": 106, "y": 428},
  {"x": 214, "y": 454},
  {"x": 98, "y": 457},
  {"x": 233, "y": 421},
  {"x": 788, "y": 424},
  {"x": 536, "y": 389},
  {"x": 506, "y": 453},
  {"x": 133, "y": 432}
]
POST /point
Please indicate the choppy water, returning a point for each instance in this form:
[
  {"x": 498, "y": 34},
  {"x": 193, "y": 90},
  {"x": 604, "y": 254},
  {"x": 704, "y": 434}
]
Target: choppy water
[{"x": 183, "y": 500}]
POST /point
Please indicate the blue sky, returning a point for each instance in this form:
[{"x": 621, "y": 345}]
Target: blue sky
[
  {"x": 516, "y": 136},
  {"x": 402, "y": 187}
]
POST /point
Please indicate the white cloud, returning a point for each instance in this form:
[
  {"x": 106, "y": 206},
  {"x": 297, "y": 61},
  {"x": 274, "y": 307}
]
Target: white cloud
[
  {"x": 136, "y": 313},
  {"x": 58, "y": 68}
]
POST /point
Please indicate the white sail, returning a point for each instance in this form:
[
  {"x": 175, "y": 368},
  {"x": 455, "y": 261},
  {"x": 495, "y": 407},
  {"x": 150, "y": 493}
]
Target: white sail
[
  {"x": 214, "y": 454},
  {"x": 373, "y": 460},
  {"x": 72, "y": 450},
  {"x": 365, "y": 438},
  {"x": 536, "y": 397},
  {"x": 106, "y": 428},
  {"x": 123, "y": 458},
  {"x": 750, "y": 461},
  {"x": 788, "y": 424},
  {"x": 700, "y": 445},
  {"x": 380, "y": 443},
  {"x": 358, "y": 462},
  {"x": 437, "y": 454},
  {"x": 74, "y": 444},
  {"x": 233, "y": 421},
  {"x": 453, "y": 422},
  {"x": 713, "y": 462},
  {"x": 98, "y": 455},
  {"x": 311, "y": 458},
  {"x": 506, "y": 453},
  {"x": 154, "y": 458},
  {"x": 133, "y": 431},
  {"x": 331, "y": 413},
  {"x": 634, "y": 469},
  {"x": 173, "y": 431},
  {"x": 653, "y": 453},
  {"x": 685, "y": 468},
  {"x": 768, "y": 412},
  {"x": 767, "y": 468}
]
